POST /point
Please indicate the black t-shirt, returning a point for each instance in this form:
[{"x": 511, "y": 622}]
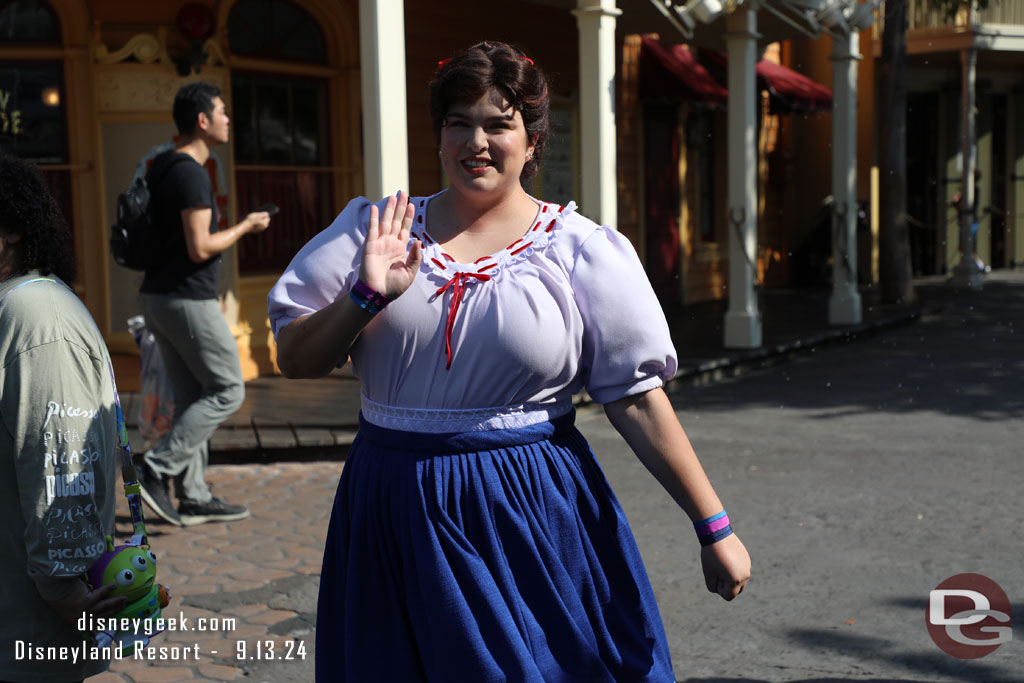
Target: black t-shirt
[{"x": 184, "y": 185}]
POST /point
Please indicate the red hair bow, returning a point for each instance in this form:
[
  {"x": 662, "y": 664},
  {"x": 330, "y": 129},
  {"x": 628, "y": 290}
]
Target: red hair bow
[{"x": 441, "y": 63}]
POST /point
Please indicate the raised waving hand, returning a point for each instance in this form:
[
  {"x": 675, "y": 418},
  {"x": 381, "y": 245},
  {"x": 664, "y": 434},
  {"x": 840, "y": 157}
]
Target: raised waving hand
[{"x": 389, "y": 265}]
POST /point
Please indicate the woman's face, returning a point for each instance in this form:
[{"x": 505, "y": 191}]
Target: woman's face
[{"x": 484, "y": 146}]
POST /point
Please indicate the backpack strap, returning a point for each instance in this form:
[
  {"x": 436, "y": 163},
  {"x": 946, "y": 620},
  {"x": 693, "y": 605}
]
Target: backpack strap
[{"x": 153, "y": 181}]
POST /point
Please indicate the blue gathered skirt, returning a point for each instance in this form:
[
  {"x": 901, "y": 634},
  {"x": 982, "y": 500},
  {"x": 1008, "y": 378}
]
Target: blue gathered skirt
[{"x": 483, "y": 556}]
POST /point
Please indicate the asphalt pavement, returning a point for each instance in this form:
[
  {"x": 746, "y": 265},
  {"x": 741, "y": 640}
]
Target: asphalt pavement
[{"x": 859, "y": 475}]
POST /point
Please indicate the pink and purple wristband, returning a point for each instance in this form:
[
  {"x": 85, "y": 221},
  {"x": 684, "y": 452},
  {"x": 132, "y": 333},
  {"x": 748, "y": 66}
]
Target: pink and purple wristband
[
  {"x": 367, "y": 298},
  {"x": 712, "y": 529}
]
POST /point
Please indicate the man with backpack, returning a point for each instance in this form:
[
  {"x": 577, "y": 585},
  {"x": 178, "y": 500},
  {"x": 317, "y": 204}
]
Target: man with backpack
[{"x": 179, "y": 302}]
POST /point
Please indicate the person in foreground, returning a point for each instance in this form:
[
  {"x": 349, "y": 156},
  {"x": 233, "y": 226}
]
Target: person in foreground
[
  {"x": 474, "y": 536},
  {"x": 58, "y": 442}
]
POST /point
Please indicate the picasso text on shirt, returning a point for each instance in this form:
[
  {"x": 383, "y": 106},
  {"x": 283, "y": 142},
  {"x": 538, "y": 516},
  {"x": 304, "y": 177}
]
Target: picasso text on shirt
[
  {"x": 64, "y": 410},
  {"x": 69, "y": 484}
]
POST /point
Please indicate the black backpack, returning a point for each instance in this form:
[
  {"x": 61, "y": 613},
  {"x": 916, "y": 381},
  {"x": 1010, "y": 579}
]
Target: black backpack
[{"x": 133, "y": 238}]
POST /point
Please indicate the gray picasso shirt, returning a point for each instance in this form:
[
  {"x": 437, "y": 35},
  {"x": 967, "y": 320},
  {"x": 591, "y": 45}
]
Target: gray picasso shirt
[{"x": 58, "y": 483}]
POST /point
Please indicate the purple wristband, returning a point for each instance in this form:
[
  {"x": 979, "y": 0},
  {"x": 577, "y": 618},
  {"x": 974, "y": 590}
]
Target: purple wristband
[
  {"x": 711, "y": 526},
  {"x": 374, "y": 300}
]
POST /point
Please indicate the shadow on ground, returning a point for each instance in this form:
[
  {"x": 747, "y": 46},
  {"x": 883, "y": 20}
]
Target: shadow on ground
[{"x": 962, "y": 357}]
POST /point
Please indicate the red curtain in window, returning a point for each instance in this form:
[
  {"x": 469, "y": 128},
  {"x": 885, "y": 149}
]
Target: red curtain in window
[{"x": 304, "y": 200}]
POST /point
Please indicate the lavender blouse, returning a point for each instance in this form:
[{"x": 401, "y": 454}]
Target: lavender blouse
[{"x": 502, "y": 342}]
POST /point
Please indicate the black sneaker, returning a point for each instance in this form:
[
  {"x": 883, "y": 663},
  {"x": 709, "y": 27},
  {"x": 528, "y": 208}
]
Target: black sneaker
[
  {"x": 156, "y": 493},
  {"x": 215, "y": 510}
]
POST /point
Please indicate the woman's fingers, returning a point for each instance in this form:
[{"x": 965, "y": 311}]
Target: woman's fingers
[
  {"x": 412, "y": 261},
  {"x": 406, "y": 226},
  {"x": 373, "y": 232},
  {"x": 729, "y": 589},
  {"x": 389, "y": 214},
  {"x": 401, "y": 211}
]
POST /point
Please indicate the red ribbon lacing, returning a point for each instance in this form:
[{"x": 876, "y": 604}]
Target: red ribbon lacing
[{"x": 458, "y": 286}]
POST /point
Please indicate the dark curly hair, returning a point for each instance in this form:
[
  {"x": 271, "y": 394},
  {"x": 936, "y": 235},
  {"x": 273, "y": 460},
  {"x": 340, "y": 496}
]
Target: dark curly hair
[
  {"x": 469, "y": 75},
  {"x": 28, "y": 210}
]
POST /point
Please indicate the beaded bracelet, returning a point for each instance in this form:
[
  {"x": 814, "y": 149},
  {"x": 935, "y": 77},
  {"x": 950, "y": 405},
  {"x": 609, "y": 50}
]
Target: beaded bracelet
[
  {"x": 712, "y": 529},
  {"x": 368, "y": 299}
]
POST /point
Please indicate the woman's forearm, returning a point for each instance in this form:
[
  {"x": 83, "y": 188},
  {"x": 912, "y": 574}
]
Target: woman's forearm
[
  {"x": 313, "y": 345},
  {"x": 649, "y": 425}
]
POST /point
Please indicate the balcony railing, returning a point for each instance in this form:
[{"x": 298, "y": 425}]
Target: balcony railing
[{"x": 920, "y": 15}]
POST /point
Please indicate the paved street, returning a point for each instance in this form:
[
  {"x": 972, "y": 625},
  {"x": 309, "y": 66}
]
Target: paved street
[{"x": 860, "y": 477}]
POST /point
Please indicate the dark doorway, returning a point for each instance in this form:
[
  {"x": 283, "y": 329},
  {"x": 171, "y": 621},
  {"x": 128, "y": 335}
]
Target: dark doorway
[
  {"x": 661, "y": 193},
  {"x": 923, "y": 181},
  {"x": 997, "y": 210}
]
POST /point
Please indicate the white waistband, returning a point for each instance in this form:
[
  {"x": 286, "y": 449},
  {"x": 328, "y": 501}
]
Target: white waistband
[{"x": 433, "y": 421}]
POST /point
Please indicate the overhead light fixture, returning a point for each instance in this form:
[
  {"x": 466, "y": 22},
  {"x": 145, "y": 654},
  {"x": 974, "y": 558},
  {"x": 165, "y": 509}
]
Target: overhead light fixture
[
  {"x": 685, "y": 18},
  {"x": 831, "y": 15},
  {"x": 705, "y": 10},
  {"x": 835, "y": 17},
  {"x": 862, "y": 16},
  {"x": 810, "y": 17}
]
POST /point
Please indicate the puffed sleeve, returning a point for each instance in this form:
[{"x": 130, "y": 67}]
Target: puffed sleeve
[
  {"x": 627, "y": 348},
  {"x": 323, "y": 270}
]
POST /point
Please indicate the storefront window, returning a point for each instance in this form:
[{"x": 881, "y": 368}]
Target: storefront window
[
  {"x": 28, "y": 22},
  {"x": 281, "y": 156},
  {"x": 32, "y": 122},
  {"x": 32, "y": 111},
  {"x": 275, "y": 29},
  {"x": 280, "y": 130}
]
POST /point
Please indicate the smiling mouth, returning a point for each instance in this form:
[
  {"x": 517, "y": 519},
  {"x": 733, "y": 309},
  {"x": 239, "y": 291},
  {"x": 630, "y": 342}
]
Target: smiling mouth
[{"x": 476, "y": 163}]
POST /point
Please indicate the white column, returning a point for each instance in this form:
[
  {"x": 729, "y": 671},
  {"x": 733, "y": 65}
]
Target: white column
[
  {"x": 743, "y": 320},
  {"x": 596, "y": 22},
  {"x": 844, "y": 306},
  {"x": 967, "y": 273},
  {"x": 385, "y": 134}
]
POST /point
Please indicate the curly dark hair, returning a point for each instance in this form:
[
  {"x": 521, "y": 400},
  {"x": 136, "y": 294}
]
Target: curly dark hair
[
  {"x": 469, "y": 75},
  {"x": 27, "y": 209}
]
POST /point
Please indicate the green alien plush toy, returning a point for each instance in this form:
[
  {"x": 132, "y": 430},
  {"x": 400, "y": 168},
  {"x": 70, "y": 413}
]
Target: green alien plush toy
[{"x": 132, "y": 568}]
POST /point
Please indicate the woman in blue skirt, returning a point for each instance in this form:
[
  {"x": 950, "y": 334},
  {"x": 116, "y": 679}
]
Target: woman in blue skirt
[{"x": 474, "y": 536}]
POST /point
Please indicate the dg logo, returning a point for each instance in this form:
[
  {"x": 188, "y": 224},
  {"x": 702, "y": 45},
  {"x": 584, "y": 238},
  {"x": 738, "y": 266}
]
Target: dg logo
[{"x": 969, "y": 616}]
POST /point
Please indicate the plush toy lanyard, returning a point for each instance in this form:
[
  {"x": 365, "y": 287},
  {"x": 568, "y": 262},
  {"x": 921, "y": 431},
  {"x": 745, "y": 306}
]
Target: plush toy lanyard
[{"x": 132, "y": 490}]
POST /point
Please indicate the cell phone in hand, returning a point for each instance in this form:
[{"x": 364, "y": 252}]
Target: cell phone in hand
[{"x": 269, "y": 207}]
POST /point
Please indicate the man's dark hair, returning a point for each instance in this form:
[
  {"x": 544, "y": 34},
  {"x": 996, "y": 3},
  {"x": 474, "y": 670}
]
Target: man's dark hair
[
  {"x": 492, "y": 65},
  {"x": 189, "y": 102},
  {"x": 27, "y": 209}
]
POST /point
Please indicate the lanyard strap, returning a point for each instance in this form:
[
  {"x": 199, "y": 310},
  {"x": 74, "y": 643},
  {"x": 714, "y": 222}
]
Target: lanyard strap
[{"x": 132, "y": 489}]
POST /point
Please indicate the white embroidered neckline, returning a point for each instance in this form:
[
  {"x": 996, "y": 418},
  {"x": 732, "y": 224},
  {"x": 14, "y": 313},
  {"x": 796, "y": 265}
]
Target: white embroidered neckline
[{"x": 549, "y": 221}]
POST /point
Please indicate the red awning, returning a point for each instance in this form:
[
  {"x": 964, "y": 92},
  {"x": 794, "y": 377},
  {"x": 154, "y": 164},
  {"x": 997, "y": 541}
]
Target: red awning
[
  {"x": 790, "y": 91},
  {"x": 675, "y": 73}
]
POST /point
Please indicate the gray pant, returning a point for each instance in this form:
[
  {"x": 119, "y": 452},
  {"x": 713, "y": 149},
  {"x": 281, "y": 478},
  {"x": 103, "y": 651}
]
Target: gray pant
[{"x": 201, "y": 358}]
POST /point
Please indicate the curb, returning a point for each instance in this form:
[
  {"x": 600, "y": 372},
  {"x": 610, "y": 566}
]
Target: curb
[
  {"x": 708, "y": 372},
  {"x": 743, "y": 363}
]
